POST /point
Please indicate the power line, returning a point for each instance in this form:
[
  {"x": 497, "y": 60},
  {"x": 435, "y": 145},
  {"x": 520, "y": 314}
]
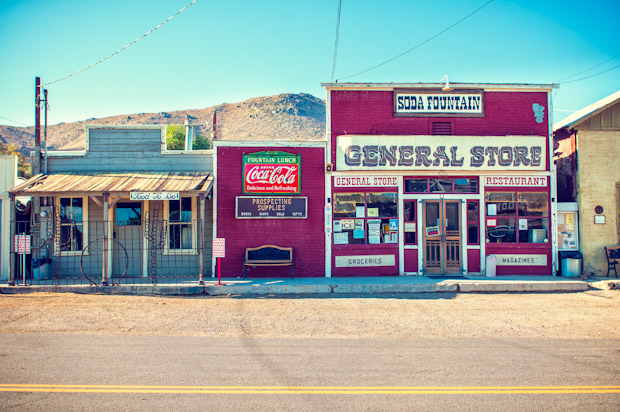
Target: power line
[
  {"x": 126, "y": 47},
  {"x": 593, "y": 75},
  {"x": 587, "y": 70},
  {"x": 337, "y": 36},
  {"x": 14, "y": 121},
  {"x": 421, "y": 44}
]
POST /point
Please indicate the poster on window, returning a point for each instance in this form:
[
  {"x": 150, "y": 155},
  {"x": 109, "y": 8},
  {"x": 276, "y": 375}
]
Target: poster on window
[{"x": 271, "y": 173}]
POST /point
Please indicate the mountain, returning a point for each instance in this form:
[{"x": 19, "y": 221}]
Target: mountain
[{"x": 279, "y": 117}]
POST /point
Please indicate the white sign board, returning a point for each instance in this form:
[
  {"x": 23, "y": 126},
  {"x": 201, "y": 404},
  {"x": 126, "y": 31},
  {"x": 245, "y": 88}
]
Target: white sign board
[
  {"x": 365, "y": 261},
  {"x": 154, "y": 196},
  {"x": 365, "y": 181},
  {"x": 219, "y": 247},
  {"x": 517, "y": 181},
  {"x": 521, "y": 260},
  {"x": 412, "y": 103},
  {"x": 22, "y": 244},
  {"x": 450, "y": 153}
]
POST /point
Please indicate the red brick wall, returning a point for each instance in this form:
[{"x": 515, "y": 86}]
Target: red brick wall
[
  {"x": 306, "y": 236},
  {"x": 371, "y": 112}
]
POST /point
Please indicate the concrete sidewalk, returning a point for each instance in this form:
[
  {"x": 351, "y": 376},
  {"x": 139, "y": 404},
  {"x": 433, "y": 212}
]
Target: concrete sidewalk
[{"x": 340, "y": 285}]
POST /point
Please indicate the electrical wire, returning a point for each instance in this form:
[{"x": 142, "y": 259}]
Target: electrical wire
[
  {"x": 14, "y": 121},
  {"x": 587, "y": 70},
  {"x": 124, "y": 48},
  {"x": 420, "y": 44},
  {"x": 337, "y": 36},
  {"x": 593, "y": 75}
]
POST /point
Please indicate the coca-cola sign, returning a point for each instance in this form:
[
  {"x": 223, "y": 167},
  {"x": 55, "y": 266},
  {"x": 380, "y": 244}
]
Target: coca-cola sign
[{"x": 271, "y": 173}]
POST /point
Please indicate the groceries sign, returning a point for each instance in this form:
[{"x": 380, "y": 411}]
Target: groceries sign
[{"x": 271, "y": 173}]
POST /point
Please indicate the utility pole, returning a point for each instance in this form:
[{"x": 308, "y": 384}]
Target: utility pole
[{"x": 36, "y": 165}]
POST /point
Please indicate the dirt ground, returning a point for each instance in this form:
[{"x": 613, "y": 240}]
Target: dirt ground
[{"x": 593, "y": 314}]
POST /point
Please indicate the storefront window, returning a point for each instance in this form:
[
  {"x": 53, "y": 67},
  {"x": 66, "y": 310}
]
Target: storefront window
[
  {"x": 441, "y": 185},
  {"x": 365, "y": 218},
  {"x": 410, "y": 222},
  {"x": 517, "y": 217},
  {"x": 473, "y": 219}
]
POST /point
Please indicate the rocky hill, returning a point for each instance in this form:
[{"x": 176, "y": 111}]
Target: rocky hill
[{"x": 279, "y": 117}]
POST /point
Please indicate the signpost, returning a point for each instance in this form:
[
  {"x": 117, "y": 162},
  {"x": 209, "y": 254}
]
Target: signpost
[
  {"x": 219, "y": 251},
  {"x": 22, "y": 247}
]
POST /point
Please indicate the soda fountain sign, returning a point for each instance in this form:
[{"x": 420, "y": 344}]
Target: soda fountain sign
[{"x": 271, "y": 173}]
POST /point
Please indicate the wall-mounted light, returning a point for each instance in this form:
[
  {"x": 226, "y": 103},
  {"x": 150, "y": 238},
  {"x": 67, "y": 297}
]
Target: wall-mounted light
[
  {"x": 447, "y": 87},
  {"x": 329, "y": 167}
]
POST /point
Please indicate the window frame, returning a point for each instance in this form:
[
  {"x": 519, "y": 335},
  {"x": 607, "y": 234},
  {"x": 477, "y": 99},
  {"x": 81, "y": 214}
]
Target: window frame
[
  {"x": 453, "y": 190},
  {"x": 365, "y": 192},
  {"x": 193, "y": 224},
  {"x": 517, "y": 216},
  {"x": 59, "y": 225}
]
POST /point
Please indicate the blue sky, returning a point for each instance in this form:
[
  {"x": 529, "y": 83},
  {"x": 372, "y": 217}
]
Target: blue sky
[{"x": 228, "y": 51}]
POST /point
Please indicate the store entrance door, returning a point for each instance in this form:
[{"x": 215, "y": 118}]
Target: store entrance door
[{"x": 443, "y": 250}]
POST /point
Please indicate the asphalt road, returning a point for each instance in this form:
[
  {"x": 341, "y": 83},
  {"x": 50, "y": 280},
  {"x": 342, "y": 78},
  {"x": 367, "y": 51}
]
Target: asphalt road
[{"x": 41, "y": 372}]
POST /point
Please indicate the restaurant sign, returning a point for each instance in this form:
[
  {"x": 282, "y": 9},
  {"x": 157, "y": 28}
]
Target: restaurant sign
[
  {"x": 271, "y": 173},
  {"x": 412, "y": 103},
  {"x": 518, "y": 181},
  {"x": 271, "y": 207},
  {"x": 453, "y": 153}
]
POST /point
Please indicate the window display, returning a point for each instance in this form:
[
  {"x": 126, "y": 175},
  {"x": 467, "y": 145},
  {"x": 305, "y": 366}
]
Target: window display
[
  {"x": 517, "y": 217},
  {"x": 364, "y": 218}
]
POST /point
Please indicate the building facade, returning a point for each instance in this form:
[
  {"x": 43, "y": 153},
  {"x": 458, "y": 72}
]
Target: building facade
[
  {"x": 434, "y": 180},
  {"x": 588, "y": 144},
  {"x": 270, "y": 193}
]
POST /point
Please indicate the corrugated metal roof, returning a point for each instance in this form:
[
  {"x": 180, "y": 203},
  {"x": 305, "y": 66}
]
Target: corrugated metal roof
[{"x": 113, "y": 183}]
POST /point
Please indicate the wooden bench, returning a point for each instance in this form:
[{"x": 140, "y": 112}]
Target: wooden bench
[
  {"x": 613, "y": 258},
  {"x": 268, "y": 255}
]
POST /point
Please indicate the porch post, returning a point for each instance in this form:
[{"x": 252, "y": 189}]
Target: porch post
[
  {"x": 145, "y": 240},
  {"x": 12, "y": 224},
  {"x": 201, "y": 242},
  {"x": 104, "y": 274}
]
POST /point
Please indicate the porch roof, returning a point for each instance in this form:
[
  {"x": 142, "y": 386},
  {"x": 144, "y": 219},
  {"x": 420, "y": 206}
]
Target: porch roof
[{"x": 115, "y": 183}]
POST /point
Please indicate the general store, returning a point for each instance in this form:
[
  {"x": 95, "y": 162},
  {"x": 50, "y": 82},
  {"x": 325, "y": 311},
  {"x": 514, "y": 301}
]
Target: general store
[{"x": 440, "y": 179}]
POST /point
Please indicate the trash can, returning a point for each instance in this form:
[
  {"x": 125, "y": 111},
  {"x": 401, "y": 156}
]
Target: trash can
[
  {"x": 491, "y": 263},
  {"x": 41, "y": 267},
  {"x": 571, "y": 264}
]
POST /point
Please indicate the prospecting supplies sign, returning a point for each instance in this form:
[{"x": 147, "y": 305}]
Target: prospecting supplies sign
[
  {"x": 450, "y": 153},
  {"x": 271, "y": 173}
]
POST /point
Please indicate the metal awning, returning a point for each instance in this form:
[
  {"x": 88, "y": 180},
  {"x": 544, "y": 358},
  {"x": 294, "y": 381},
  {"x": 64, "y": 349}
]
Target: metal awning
[{"x": 116, "y": 183}]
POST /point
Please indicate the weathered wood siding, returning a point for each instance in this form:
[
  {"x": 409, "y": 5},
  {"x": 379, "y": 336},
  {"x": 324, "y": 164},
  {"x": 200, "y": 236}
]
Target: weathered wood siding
[
  {"x": 140, "y": 150},
  {"x": 609, "y": 119}
]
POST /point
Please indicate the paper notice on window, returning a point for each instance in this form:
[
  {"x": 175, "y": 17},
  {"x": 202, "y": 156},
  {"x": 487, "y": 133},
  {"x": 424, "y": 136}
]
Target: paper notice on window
[
  {"x": 410, "y": 227},
  {"x": 359, "y": 211},
  {"x": 560, "y": 218},
  {"x": 347, "y": 224},
  {"x": 337, "y": 226},
  {"x": 341, "y": 238},
  {"x": 491, "y": 209},
  {"x": 374, "y": 240},
  {"x": 358, "y": 234},
  {"x": 570, "y": 218},
  {"x": 522, "y": 224},
  {"x": 373, "y": 211}
]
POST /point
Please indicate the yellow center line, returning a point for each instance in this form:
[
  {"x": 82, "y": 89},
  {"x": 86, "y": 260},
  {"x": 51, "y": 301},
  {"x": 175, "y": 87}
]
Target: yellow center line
[{"x": 317, "y": 390}]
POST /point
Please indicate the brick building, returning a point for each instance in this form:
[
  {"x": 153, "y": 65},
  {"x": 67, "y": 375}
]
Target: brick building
[
  {"x": 270, "y": 193},
  {"x": 437, "y": 180}
]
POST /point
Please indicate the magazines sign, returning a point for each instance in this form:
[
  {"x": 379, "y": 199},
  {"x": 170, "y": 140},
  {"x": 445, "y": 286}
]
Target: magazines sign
[{"x": 271, "y": 173}]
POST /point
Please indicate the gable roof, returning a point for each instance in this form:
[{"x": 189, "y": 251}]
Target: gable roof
[{"x": 588, "y": 111}]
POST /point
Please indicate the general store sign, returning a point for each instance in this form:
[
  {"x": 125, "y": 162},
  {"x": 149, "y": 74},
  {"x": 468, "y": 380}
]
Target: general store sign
[
  {"x": 453, "y": 153},
  {"x": 518, "y": 181},
  {"x": 283, "y": 207},
  {"x": 365, "y": 181},
  {"x": 271, "y": 173},
  {"x": 411, "y": 103}
]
